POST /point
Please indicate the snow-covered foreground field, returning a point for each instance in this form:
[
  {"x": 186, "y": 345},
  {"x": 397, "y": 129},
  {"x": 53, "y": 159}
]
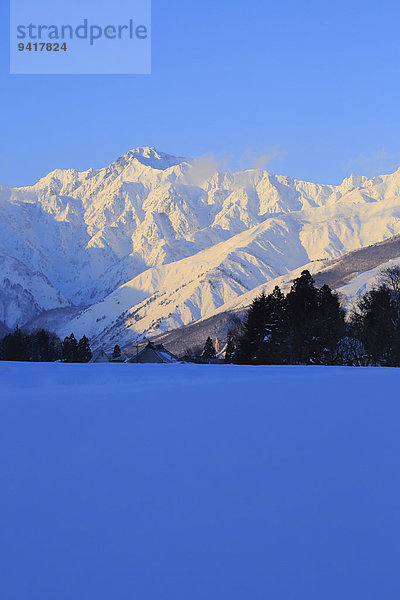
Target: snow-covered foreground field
[{"x": 186, "y": 482}]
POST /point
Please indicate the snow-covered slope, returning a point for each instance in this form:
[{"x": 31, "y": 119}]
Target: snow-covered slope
[
  {"x": 24, "y": 293},
  {"x": 154, "y": 241},
  {"x": 349, "y": 275},
  {"x": 172, "y": 295}
]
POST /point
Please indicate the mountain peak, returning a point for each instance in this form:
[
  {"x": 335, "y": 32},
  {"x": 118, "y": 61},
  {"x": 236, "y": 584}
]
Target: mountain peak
[{"x": 150, "y": 157}]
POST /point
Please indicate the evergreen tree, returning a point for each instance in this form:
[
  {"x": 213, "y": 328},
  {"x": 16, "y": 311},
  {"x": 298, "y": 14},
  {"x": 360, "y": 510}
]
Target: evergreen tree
[
  {"x": 116, "y": 352},
  {"x": 69, "y": 349},
  {"x": 375, "y": 319},
  {"x": 230, "y": 348},
  {"x": 316, "y": 321},
  {"x": 302, "y": 306},
  {"x": 273, "y": 349},
  {"x": 209, "y": 350},
  {"x": 264, "y": 339},
  {"x": 303, "y": 327},
  {"x": 40, "y": 341},
  {"x": 38, "y": 346},
  {"x": 54, "y": 349},
  {"x": 329, "y": 326},
  {"x": 44, "y": 345},
  {"x": 255, "y": 328},
  {"x": 84, "y": 354},
  {"x": 15, "y": 346},
  {"x": 234, "y": 335}
]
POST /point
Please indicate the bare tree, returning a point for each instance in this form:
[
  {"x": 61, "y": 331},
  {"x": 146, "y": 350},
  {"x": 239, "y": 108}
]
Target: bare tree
[
  {"x": 192, "y": 352},
  {"x": 350, "y": 351},
  {"x": 390, "y": 277}
]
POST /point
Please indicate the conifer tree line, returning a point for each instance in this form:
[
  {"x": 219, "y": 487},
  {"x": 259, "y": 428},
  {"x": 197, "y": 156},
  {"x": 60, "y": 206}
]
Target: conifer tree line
[
  {"x": 305, "y": 326},
  {"x": 309, "y": 326},
  {"x": 44, "y": 346}
]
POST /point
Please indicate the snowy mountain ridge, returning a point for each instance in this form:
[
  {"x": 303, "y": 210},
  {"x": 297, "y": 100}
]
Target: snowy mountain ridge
[{"x": 152, "y": 241}]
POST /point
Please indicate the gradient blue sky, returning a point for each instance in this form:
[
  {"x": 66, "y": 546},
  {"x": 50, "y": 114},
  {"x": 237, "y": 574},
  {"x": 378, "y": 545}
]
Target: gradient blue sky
[{"x": 314, "y": 84}]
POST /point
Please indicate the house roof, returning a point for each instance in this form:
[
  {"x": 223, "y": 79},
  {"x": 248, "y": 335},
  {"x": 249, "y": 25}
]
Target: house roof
[
  {"x": 154, "y": 353},
  {"x": 99, "y": 354}
]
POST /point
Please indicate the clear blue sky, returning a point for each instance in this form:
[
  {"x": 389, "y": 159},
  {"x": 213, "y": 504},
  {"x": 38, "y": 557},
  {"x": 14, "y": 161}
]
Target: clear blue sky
[{"x": 315, "y": 83}]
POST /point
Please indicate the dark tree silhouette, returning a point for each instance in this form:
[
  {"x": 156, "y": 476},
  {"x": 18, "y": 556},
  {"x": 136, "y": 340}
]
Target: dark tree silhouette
[
  {"x": 230, "y": 348},
  {"x": 303, "y": 327},
  {"x": 234, "y": 335},
  {"x": 16, "y": 346},
  {"x": 116, "y": 352},
  {"x": 69, "y": 349},
  {"x": 45, "y": 346},
  {"x": 273, "y": 349},
  {"x": 209, "y": 350},
  {"x": 84, "y": 351},
  {"x": 255, "y": 329},
  {"x": 37, "y": 346},
  {"x": 316, "y": 321},
  {"x": 376, "y": 322}
]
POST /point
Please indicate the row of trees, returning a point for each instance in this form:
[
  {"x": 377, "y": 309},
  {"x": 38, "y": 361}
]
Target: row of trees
[
  {"x": 308, "y": 326},
  {"x": 44, "y": 346},
  {"x": 73, "y": 351},
  {"x": 305, "y": 326}
]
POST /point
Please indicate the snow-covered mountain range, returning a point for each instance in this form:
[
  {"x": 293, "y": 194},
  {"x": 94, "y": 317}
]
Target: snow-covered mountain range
[{"x": 153, "y": 242}]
